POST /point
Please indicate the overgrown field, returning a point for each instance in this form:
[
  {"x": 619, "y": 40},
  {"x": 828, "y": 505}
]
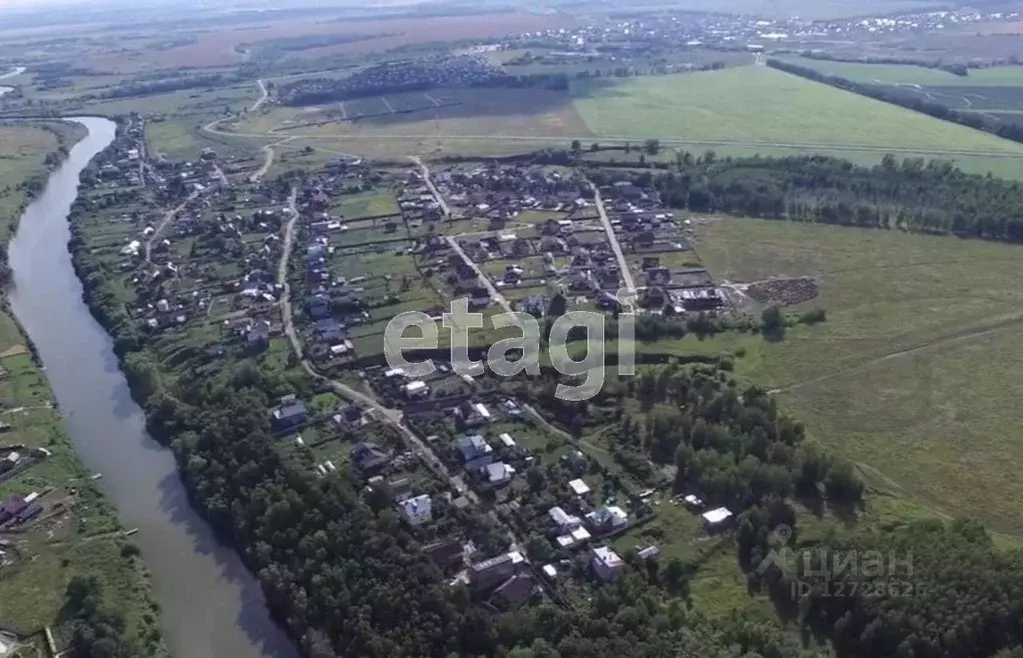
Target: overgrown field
[{"x": 914, "y": 374}]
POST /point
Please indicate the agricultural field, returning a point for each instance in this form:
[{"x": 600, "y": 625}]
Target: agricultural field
[
  {"x": 737, "y": 112},
  {"x": 297, "y": 40},
  {"x": 760, "y": 108},
  {"x": 908, "y": 74},
  {"x": 992, "y": 92},
  {"x": 912, "y": 376},
  {"x": 466, "y": 122}
]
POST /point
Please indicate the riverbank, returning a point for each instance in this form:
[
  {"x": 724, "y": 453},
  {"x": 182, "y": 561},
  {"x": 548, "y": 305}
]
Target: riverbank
[
  {"x": 78, "y": 533},
  {"x": 210, "y": 605}
]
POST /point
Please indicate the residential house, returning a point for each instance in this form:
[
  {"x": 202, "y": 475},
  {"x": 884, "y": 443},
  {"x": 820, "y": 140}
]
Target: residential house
[
  {"x": 717, "y": 520},
  {"x": 416, "y": 389},
  {"x": 472, "y": 414},
  {"x": 417, "y": 509},
  {"x": 446, "y": 554},
  {"x": 349, "y": 418},
  {"x": 9, "y": 461},
  {"x": 475, "y": 451},
  {"x": 399, "y": 488},
  {"x": 606, "y": 564},
  {"x": 289, "y": 415},
  {"x": 563, "y": 521},
  {"x": 578, "y": 487},
  {"x": 499, "y": 474},
  {"x": 515, "y": 592},
  {"x": 369, "y": 458},
  {"x": 607, "y": 519},
  {"x": 489, "y": 573}
]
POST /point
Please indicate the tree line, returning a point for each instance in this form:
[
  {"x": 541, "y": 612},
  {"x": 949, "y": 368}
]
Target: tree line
[{"x": 912, "y": 194}]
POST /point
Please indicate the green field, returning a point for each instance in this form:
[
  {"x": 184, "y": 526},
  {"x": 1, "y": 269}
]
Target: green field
[
  {"x": 758, "y": 104},
  {"x": 913, "y": 376},
  {"x": 909, "y": 75}
]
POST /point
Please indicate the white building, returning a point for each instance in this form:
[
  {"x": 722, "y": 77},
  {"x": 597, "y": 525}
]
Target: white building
[
  {"x": 717, "y": 518},
  {"x": 417, "y": 509},
  {"x": 579, "y": 487},
  {"x": 606, "y": 563},
  {"x": 416, "y": 389}
]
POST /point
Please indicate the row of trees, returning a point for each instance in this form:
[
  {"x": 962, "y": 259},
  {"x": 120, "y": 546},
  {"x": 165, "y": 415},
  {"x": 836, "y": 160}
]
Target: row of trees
[
  {"x": 912, "y": 194},
  {"x": 733, "y": 447}
]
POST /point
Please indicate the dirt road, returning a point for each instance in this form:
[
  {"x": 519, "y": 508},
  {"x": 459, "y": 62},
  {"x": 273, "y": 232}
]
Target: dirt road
[
  {"x": 425, "y": 171},
  {"x": 167, "y": 217},
  {"x": 623, "y": 265},
  {"x": 484, "y": 279},
  {"x": 264, "y": 94}
]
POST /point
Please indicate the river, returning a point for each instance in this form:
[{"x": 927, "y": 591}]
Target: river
[
  {"x": 211, "y": 605},
  {"x": 10, "y": 74}
]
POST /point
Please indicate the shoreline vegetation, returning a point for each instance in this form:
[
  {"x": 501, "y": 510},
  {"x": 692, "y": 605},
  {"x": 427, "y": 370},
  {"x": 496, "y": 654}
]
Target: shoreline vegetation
[{"x": 80, "y": 575}]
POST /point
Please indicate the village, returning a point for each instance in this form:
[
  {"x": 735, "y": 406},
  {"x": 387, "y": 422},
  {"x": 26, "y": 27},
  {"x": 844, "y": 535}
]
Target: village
[{"x": 304, "y": 274}]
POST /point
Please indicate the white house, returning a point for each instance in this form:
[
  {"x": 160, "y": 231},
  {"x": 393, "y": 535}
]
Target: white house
[
  {"x": 579, "y": 487},
  {"x": 418, "y": 509},
  {"x": 606, "y": 563}
]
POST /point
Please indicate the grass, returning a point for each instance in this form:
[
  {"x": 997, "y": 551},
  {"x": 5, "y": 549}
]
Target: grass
[
  {"x": 24, "y": 151},
  {"x": 758, "y": 108},
  {"x": 368, "y": 204},
  {"x": 912, "y": 376}
]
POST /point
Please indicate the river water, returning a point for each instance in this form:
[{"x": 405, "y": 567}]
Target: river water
[
  {"x": 211, "y": 605},
  {"x": 17, "y": 71}
]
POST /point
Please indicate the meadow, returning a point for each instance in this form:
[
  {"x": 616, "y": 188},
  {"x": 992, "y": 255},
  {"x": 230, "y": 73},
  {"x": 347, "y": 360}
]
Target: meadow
[
  {"x": 912, "y": 376},
  {"x": 24, "y": 150}
]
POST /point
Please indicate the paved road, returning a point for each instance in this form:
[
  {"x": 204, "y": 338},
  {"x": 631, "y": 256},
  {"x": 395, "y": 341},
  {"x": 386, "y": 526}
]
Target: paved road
[
  {"x": 623, "y": 265},
  {"x": 494, "y": 292},
  {"x": 425, "y": 171},
  {"x": 264, "y": 94}
]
